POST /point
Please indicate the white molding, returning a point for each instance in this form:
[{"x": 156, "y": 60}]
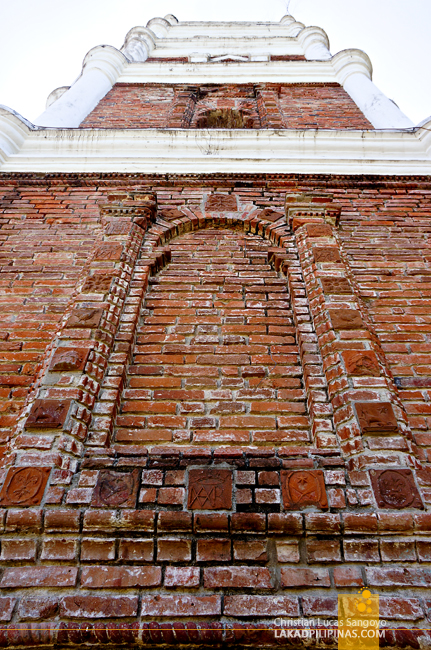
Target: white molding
[
  {"x": 139, "y": 44},
  {"x": 211, "y": 151},
  {"x": 55, "y": 94},
  {"x": 101, "y": 69},
  {"x": 235, "y": 72},
  {"x": 14, "y": 129},
  {"x": 315, "y": 43}
]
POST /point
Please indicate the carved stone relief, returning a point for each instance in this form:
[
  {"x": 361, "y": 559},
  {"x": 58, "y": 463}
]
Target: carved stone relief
[
  {"x": 98, "y": 283},
  {"x": 108, "y": 252},
  {"x": 361, "y": 363},
  {"x": 47, "y": 414},
  {"x": 326, "y": 254},
  {"x": 84, "y": 317},
  {"x": 221, "y": 203},
  {"x": 303, "y": 488},
  {"x": 116, "y": 489},
  {"x": 346, "y": 319},
  {"x": 395, "y": 488},
  {"x": 210, "y": 489},
  {"x": 376, "y": 417},
  {"x": 319, "y": 230},
  {"x": 68, "y": 359},
  {"x": 24, "y": 486},
  {"x": 336, "y": 285}
]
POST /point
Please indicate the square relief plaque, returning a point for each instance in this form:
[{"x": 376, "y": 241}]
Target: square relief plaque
[
  {"x": 361, "y": 363},
  {"x": 66, "y": 359},
  {"x": 319, "y": 230},
  {"x": 395, "y": 489},
  {"x": 24, "y": 486},
  {"x": 346, "y": 319},
  {"x": 84, "y": 317},
  {"x": 303, "y": 488},
  {"x": 327, "y": 254},
  {"x": 376, "y": 417},
  {"x": 210, "y": 489},
  {"x": 336, "y": 285},
  {"x": 98, "y": 283},
  {"x": 47, "y": 414},
  {"x": 116, "y": 489}
]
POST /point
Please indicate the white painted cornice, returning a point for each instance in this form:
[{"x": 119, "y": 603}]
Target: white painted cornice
[
  {"x": 234, "y": 72},
  {"x": 14, "y": 129},
  {"x": 212, "y": 151}
]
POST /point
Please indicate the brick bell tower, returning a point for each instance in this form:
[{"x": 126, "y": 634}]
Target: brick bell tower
[{"x": 215, "y": 348}]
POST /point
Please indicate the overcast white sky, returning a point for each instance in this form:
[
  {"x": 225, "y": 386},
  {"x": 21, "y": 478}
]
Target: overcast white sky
[{"x": 43, "y": 42}]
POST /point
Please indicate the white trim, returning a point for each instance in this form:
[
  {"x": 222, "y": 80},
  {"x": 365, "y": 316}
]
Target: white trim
[
  {"x": 211, "y": 151},
  {"x": 101, "y": 68},
  {"x": 234, "y": 72}
]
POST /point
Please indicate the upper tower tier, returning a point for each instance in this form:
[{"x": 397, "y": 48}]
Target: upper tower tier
[
  {"x": 186, "y": 56},
  {"x": 201, "y": 97}
]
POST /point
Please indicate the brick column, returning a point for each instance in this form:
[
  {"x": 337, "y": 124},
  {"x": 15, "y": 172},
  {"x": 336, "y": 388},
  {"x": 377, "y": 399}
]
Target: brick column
[
  {"x": 268, "y": 109},
  {"x": 369, "y": 420},
  {"x": 183, "y": 108}
]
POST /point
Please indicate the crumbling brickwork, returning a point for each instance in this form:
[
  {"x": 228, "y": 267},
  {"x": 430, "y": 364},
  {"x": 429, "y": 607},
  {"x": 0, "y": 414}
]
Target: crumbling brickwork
[{"x": 214, "y": 405}]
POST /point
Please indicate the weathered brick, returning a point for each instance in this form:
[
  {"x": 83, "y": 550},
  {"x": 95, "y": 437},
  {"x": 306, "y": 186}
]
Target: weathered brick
[
  {"x": 237, "y": 577},
  {"x": 97, "y": 549},
  {"x": 261, "y": 606},
  {"x": 6, "y": 608},
  {"x": 213, "y": 550},
  {"x": 18, "y": 549},
  {"x": 88, "y": 607},
  {"x": 113, "y": 576},
  {"x": 176, "y": 576},
  {"x": 174, "y": 550},
  {"x": 180, "y": 605},
  {"x": 39, "y": 576}
]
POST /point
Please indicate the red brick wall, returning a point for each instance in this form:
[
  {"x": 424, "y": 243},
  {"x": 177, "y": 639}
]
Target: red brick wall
[
  {"x": 298, "y": 106},
  {"x": 243, "y": 287}
]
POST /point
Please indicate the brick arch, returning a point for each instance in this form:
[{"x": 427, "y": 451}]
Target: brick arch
[{"x": 164, "y": 231}]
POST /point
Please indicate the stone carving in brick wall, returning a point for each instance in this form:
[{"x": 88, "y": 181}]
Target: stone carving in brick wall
[
  {"x": 116, "y": 489},
  {"x": 84, "y": 317},
  {"x": 376, "y": 417},
  {"x": 171, "y": 215},
  {"x": 346, "y": 319},
  {"x": 336, "y": 285},
  {"x": 98, "y": 283},
  {"x": 270, "y": 215},
  {"x": 108, "y": 252},
  {"x": 68, "y": 359},
  {"x": 326, "y": 255},
  {"x": 210, "y": 489},
  {"x": 221, "y": 203},
  {"x": 395, "y": 488},
  {"x": 361, "y": 363},
  {"x": 319, "y": 230},
  {"x": 47, "y": 414},
  {"x": 24, "y": 486},
  {"x": 118, "y": 228},
  {"x": 303, "y": 488}
]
